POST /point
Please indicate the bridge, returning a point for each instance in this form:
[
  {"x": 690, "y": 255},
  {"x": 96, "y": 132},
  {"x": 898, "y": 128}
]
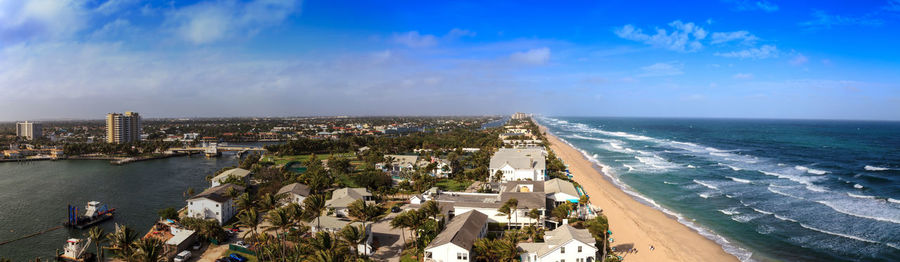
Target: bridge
[{"x": 214, "y": 149}]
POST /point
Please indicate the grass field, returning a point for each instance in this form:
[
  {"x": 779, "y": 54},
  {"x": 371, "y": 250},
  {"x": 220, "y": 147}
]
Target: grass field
[
  {"x": 452, "y": 185},
  {"x": 281, "y": 160}
]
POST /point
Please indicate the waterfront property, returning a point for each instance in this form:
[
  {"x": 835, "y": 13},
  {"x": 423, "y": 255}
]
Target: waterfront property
[
  {"x": 123, "y": 128},
  {"x": 29, "y": 130},
  {"x": 518, "y": 164},
  {"x": 455, "y": 242},
  {"x": 528, "y": 194},
  {"x": 237, "y": 173},
  {"x": 560, "y": 191},
  {"x": 564, "y": 243},
  {"x": 214, "y": 203}
]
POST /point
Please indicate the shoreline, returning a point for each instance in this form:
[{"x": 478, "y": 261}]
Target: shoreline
[{"x": 634, "y": 223}]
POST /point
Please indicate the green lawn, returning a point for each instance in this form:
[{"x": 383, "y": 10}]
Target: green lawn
[
  {"x": 452, "y": 185},
  {"x": 281, "y": 160}
]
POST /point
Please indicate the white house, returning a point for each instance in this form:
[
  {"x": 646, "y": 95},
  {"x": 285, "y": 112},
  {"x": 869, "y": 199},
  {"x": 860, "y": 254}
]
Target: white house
[
  {"x": 455, "y": 242},
  {"x": 518, "y": 164},
  {"x": 294, "y": 193},
  {"x": 214, "y": 203},
  {"x": 402, "y": 163},
  {"x": 561, "y": 191},
  {"x": 335, "y": 225},
  {"x": 488, "y": 204},
  {"x": 343, "y": 197},
  {"x": 240, "y": 173},
  {"x": 564, "y": 243}
]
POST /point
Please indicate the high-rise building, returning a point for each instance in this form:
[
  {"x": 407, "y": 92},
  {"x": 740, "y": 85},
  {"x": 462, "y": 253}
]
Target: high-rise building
[
  {"x": 29, "y": 130},
  {"x": 123, "y": 128}
]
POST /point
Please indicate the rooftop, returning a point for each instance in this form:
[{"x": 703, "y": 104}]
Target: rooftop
[{"x": 461, "y": 231}]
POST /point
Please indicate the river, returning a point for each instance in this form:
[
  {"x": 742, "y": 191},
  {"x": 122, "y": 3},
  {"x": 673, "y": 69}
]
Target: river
[{"x": 34, "y": 195}]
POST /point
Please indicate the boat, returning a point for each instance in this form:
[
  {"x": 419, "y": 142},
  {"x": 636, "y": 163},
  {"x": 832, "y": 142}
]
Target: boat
[
  {"x": 94, "y": 213},
  {"x": 75, "y": 251}
]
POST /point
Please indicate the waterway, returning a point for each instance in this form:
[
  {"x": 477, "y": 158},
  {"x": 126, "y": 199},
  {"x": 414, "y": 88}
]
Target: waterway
[{"x": 34, "y": 195}]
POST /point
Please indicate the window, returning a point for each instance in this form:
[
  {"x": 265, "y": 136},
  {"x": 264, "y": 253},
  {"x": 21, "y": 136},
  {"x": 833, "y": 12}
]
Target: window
[
  {"x": 579, "y": 249},
  {"x": 462, "y": 256},
  {"x": 427, "y": 254},
  {"x": 562, "y": 250}
]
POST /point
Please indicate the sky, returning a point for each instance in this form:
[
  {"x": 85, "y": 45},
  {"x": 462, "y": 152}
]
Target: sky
[{"x": 69, "y": 59}]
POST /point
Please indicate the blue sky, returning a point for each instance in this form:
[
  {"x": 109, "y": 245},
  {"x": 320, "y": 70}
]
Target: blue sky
[{"x": 746, "y": 59}]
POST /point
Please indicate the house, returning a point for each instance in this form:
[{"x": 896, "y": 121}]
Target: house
[
  {"x": 442, "y": 167},
  {"x": 455, "y": 242},
  {"x": 240, "y": 173},
  {"x": 343, "y": 197},
  {"x": 214, "y": 203},
  {"x": 182, "y": 240},
  {"x": 488, "y": 204},
  {"x": 12, "y": 154},
  {"x": 402, "y": 163},
  {"x": 335, "y": 225},
  {"x": 564, "y": 243},
  {"x": 518, "y": 164},
  {"x": 561, "y": 191},
  {"x": 294, "y": 193}
]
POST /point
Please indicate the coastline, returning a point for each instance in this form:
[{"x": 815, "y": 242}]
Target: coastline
[{"x": 634, "y": 223}]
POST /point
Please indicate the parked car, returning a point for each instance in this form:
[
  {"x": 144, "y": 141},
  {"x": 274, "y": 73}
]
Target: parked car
[
  {"x": 238, "y": 257},
  {"x": 224, "y": 259},
  {"x": 197, "y": 246},
  {"x": 241, "y": 243},
  {"x": 395, "y": 209},
  {"x": 183, "y": 256}
]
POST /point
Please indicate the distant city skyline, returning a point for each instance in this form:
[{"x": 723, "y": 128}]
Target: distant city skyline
[{"x": 62, "y": 59}]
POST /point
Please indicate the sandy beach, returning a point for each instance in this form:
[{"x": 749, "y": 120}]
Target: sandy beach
[{"x": 636, "y": 224}]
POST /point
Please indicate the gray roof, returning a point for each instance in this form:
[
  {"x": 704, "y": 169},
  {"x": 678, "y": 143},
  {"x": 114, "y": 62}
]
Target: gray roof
[
  {"x": 519, "y": 159},
  {"x": 557, "y": 185},
  {"x": 461, "y": 231},
  {"x": 513, "y": 186},
  {"x": 344, "y": 196},
  {"x": 218, "y": 193},
  {"x": 295, "y": 188},
  {"x": 404, "y": 159},
  {"x": 332, "y": 223},
  {"x": 558, "y": 237},
  {"x": 238, "y": 172},
  {"x": 528, "y": 200}
]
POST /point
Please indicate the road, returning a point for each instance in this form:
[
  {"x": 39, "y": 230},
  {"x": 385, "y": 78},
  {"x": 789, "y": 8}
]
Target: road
[{"x": 387, "y": 239}]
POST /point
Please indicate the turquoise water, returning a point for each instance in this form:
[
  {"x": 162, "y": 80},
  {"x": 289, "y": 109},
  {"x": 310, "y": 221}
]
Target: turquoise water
[
  {"x": 765, "y": 190},
  {"x": 34, "y": 195}
]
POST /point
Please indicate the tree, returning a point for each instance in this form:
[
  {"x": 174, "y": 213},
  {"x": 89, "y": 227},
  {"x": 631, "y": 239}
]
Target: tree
[
  {"x": 431, "y": 209},
  {"x": 314, "y": 205},
  {"x": 364, "y": 212},
  {"x": 561, "y": 212},
  {"x": 401, "y": 221},
  {"x": 508, "y": 208},
  {"x": 354, "y": 236},
  {"x": 280, "y": 220},
  {"x": 97, "y": 236},
  {"x": 534, "y": 214},
  {"x": 149, "y": 250},
  {"x": 245, "y": 201},
  {"x": 599, "y": 228},
  {"x": 121, "y": 240},
  {"x": 269, "y": 201},
  {"x": 484, "y": 250},
  {"x": 249, "y": 218},
  {"x": 168, "y": 213}
]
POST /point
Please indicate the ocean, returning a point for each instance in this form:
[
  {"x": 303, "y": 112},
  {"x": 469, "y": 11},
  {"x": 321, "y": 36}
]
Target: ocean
[{"x": 766, "y": 190}]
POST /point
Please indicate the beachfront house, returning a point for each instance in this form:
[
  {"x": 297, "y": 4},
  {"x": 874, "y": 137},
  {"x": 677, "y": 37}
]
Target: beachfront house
[
  {"x": 564, "y": 243},
  {"x": 334, "y": 225},
  {"x": 518, "y": 164},
  {"x": 560, "y": 191},
  {"x": 294, "y": 193},
  {"x": 342, "y": 198},
  {"x": 238, "y": 173},
  {"x": 214, "y": 203},
  {"x": 455, "y": 242},
  {"x": 489, "y": 204}
]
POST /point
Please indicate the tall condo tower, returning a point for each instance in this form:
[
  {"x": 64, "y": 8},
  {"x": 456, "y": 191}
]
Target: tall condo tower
[
  {"x": 123, "y": 128},
  {"x": 28, "y": 130}
]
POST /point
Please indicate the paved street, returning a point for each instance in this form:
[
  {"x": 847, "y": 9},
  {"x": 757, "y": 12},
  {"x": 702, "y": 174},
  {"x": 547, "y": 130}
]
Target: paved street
[{"x": 388, "y": 240}]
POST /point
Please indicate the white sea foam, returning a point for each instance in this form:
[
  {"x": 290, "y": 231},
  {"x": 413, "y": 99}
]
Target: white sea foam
[
  {"x": 745, "y": 181},
  {"x": 784, "y": 218},
  {"x": 810, "y": 170},
  {"x": 860, "y": 196},
  {"x": 876, "y": 168},
  {"x": 765, "y": 229},
  {"x": 730, "y": 211},
  {"x": 771, "y": 189},
  {"x": 761, "y": 211},
  {"x": 893, "y": 200},
  {"x": 870, "y": 210},
  {"x": 630, "y": 168},
  {"x": 744, "y": 218},
  {"x": 706, "y": 184},
  {"x": 816, "y": 188},
  {"x": 691, "y": 166},
  {"x": 857, "y": 186},
  {"x": 730, "y": 166},
  {"x": 838, "y": 234},
  {"x": 670, "y": 183}
]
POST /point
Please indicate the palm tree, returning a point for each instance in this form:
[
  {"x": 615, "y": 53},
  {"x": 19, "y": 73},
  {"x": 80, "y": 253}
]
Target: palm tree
[
  {"x": 295, "y": 211},
  {"x": 401, "y": 221},
  {"x": 514, "y": 207},
  {"x": 362, "y": 211},
  {"x": 97, "y": 236},
  {"x": 249, "y": 218},
  {"x": 561, "y": 212},
  {"x": 121, "y": 241},
  {"x": 485, "y": 250},
  {"x": 389, "y": 162},
  {"x": 534, "y": 214},
  {"x": 244, "y": 201},
  {"x": 280, "y": 219},
  {"x": 354, "y": 236},
  {"x": 325, "y": 247},
  {"x": 149, "y": 250},
  {"x": 269, "y": 201},
  {"x": 431, "y": 209},
  {"x": 314, "y": 205}
]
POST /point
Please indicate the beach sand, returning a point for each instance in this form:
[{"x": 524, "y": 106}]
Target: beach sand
[{"x": 634, "y": 223}]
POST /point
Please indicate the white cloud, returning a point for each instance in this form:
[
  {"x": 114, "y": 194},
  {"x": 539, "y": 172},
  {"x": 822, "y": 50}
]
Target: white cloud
[
  {"x": 41, "y": 18},
  {"x": 765, "y": 51},
  {"x": 748, "y": 5},
  {"x": 799, "y": 59},
  {"x": 743, "y": 76},
  {"x": 825, "y": 20},
  {"x": 662, "y": 69},
  {"x": 685, "y": 37},
  {"x": 112, "y": 6},
  {"x": 536, "y": 56},
  {"x": 414, "y": 39},
  {"x": 458, "y": 33},
  {"x": 767, "y": 6},
  {"x": 208, "y": 22},
  {"x": 724, "y": 37}
]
